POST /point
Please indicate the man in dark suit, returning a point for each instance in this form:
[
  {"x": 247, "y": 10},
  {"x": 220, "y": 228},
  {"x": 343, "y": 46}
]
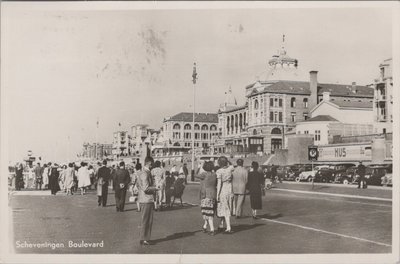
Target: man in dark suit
[
  {"x": 121, "y": 181},
  {"x": 103, "y": 177}
]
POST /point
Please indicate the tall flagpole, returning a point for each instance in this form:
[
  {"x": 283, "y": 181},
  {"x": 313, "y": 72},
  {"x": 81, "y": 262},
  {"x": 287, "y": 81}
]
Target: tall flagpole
[{"x": 194, "y": 75}]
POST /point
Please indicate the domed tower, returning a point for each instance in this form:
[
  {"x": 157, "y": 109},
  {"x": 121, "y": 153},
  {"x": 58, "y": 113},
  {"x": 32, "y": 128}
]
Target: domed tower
[{"x": 282, "y": 67}]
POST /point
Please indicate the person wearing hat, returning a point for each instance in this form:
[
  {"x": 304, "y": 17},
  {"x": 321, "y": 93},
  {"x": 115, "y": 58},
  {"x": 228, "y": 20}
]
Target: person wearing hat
[
  {"x": 53, "y": 179},
  {"x": 121, "y": 181},
  {"x": 103, "y": 176}
]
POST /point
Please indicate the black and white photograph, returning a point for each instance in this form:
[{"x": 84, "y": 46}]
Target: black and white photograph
[{"x": 200, "y": 132}]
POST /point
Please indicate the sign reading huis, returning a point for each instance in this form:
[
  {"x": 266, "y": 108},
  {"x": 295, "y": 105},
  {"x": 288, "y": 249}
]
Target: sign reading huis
[{"x": 348, "y": 152}]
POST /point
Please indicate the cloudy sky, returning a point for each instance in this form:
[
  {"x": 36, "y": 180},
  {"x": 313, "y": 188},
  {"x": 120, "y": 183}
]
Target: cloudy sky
[{"x": 64, "y": 69}]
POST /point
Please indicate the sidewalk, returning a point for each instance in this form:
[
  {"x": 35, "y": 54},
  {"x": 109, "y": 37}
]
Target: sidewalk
[{"x": 339, "y": 189}]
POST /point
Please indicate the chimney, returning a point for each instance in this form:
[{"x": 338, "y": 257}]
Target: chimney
[
  {"x": 326, "y": 96},
  {"x": 313, "y": 89}
]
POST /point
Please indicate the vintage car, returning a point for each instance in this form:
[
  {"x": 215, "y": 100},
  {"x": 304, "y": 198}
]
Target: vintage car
[
  {"x": 325, "y": 174},
  {"x": 345, "y": 173},
  {"x": 309, "y": 172},
  {"x": 374, "y": 174}
]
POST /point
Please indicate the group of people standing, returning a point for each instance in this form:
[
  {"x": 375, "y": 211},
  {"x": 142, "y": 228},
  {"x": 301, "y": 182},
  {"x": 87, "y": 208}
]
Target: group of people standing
[{"x": 223, "y": 189}]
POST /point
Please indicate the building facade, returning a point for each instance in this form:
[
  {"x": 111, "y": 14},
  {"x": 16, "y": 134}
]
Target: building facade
[
  {"x": 383, "y": 98},
  {"x": 97, "y": 151},
  {"x": 120, "y": 145},
  {"x": 177, "y": 130},
  {"x": 276, "y": 104}
]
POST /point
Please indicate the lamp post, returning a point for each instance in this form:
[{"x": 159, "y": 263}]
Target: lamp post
[{"x": 194, "y": 76}]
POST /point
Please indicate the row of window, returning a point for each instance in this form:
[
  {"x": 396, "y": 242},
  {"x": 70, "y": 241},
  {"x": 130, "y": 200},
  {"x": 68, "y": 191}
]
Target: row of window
[
  {"x": 188, "y": 135},
  {"x": 196, "y": 144},
  {"x": 278, "y": 102},
  {"x": 317, "y": 134},
  {"x": 196, "y": 127}
]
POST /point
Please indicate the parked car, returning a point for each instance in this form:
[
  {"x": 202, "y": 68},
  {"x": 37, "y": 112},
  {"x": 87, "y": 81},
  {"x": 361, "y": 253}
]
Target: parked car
[
  {"x": 350, "y": 176},
  {"x": 325, "y": 174},
  {"x": 387, "y": 180},
  {"x": 309, "y": 172},
  {"x": 344, "y": 173},
  {"x": 374, "y": 174}
]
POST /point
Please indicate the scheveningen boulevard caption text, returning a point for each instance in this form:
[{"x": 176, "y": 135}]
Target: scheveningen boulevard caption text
[{"x": 55, "y": 245}]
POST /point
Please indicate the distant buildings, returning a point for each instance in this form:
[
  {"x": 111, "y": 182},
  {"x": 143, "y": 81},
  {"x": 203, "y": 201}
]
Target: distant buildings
[
  {"x": 120, "y": 145},
  {"x": 97, "y": 151},
  {"x": 177, "y": 131},
  {"x": 383, "y": 98}
]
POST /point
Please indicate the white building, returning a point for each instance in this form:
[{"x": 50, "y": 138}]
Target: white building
[
  {"x": 383, "y": 99},
  {"x": 120, "y": 145}
]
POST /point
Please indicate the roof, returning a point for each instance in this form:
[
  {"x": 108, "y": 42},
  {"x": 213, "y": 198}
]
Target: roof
[
  {"x": 299, "y": 87},
  {"x": 232, "y": 108},
  {"x": 199, "y": 117},
  {"x": 321, "y": 118},
  {"x": 347, "y": 104}
]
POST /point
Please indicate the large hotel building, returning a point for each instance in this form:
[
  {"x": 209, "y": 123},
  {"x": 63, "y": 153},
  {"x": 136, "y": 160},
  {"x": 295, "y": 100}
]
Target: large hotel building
[{"x": 274, "y": 106}]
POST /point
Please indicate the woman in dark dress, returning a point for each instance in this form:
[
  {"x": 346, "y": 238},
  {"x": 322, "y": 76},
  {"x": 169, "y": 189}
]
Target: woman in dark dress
[
  {"x": 19, "y": 177},
  {"x": 53, "y": 180},
  {"x": 169, "y": 184},
  {"x": 255, "y": 184}
]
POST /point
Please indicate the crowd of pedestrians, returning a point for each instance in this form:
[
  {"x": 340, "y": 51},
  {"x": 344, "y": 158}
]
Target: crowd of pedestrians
[{"x": 223, "y": 189}]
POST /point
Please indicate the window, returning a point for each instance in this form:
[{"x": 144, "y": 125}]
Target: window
[
  {"x": 271, "y": 117},
  {"x": 196, "y": 127},
  {"x": 187, "y": 127},
  {"x": 176, "y": 135},
  {"x": 280, "y": 102},
  {"x": 280, "y": 116},
  {"x": 305, "y": 102},
  {"x": 213, "y": 127},
  {"x": 256, "y": 104},
  {"x": 271, "y": 102},
  {"x": 196, "y": 135},
  {"x": 305, "y": 116},
  {"x": 317, "y": 135},
  {"x": 306, "y": 132},
  {"x": 177, "y": 126},
  {"x": 187, "y": 135},
  {"x": 293, "y": 117},
  {"x": 293, "y": 102},
  {"x": 204, "y": 127}
]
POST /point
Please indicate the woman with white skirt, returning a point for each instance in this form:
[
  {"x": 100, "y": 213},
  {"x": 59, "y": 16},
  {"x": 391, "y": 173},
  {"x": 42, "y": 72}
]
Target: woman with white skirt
[{"x": 83, "y": 178}]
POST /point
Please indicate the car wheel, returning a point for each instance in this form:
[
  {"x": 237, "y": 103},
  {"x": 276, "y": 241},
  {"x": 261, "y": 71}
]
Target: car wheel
[
  {"x": 309, "y": 179},
  {"x": 345, "y": 181},
  {"x": 268, "y": 186},
  {"x": 297, "y": 179}
]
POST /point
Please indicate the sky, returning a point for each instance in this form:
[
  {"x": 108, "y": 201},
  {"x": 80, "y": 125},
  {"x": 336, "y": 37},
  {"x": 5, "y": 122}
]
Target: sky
[{"x": 65, "y": 69}]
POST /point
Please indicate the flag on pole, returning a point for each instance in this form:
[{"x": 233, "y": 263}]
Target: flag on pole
[{"x": 194, "y": 75}]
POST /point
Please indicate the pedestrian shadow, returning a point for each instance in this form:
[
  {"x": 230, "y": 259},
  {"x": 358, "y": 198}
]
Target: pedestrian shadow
[
  {"x": 176, "y": 236},
  {"x": 179, "y": 207},
  {"x": 270, "y": 216},
  {"x": 240, "y": 228}
]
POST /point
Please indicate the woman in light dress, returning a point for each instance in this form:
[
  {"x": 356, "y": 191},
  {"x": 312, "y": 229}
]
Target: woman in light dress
[
  {"x": 83, "y": 178},
  {"x": 45, "y": 176},
  {"x": 224, "y": 194},
  {"x": 69, "y": 178}
]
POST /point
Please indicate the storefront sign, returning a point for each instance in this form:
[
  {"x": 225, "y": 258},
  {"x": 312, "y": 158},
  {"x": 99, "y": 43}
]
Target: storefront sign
[{"x": 353, "y": 152}]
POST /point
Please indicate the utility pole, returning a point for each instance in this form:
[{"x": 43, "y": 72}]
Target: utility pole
[{"x": 194, "y": 75}]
